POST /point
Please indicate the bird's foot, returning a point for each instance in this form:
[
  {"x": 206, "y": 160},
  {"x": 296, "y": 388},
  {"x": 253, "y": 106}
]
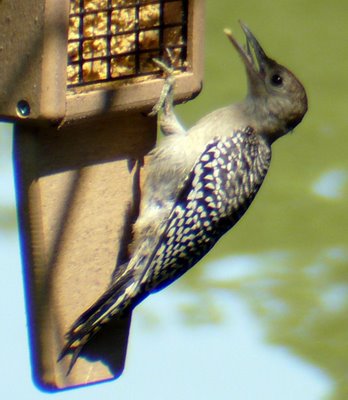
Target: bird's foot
[
  {"x": 165, "y": 102},
  {"x": 168, "y": 121}
]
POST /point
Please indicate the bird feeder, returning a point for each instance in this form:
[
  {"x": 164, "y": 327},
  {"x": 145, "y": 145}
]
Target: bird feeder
[{"x": 77, "y": 81}]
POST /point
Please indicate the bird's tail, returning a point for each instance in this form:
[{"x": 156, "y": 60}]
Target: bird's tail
[{"x": 112, "y": 304}]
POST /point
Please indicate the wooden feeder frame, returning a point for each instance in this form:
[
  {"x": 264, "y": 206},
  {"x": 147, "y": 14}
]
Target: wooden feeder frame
[
  {"x": 34, "y": 65},
  {"x": 78, "y": 149}
]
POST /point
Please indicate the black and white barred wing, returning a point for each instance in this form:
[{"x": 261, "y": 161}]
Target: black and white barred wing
[{"x": 217, "y": 192}]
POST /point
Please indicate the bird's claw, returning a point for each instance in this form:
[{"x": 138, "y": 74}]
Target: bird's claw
[
  {"x": 168, "y": 69},
  {"x": 166, "y": 98}
]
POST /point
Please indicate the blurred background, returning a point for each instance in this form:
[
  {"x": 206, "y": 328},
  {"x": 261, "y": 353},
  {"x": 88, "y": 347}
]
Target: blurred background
[{"x": 264, "y": 315}]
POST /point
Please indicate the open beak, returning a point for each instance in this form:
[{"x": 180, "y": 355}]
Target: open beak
[{"x": 253, "y": 56}]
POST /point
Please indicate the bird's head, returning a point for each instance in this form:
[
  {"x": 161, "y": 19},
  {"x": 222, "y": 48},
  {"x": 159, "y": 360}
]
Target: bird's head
[{"x": 276, "y": 98}]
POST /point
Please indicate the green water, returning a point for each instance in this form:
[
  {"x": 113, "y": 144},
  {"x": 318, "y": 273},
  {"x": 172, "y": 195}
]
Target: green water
[{"x": 296, "y": 232}]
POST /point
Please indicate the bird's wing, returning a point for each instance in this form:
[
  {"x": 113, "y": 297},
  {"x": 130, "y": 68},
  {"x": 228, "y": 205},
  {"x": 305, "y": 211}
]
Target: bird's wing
[{"x": 218, "y": 190}]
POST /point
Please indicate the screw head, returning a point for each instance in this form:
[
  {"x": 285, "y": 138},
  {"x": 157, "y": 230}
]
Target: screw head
[{"x": 23, "y": 108}]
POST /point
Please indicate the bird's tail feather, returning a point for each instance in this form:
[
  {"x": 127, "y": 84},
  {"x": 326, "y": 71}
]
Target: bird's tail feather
[{"x": 114, "y": 302}]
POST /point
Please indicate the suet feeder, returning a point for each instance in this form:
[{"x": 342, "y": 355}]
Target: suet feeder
[{"x": 77, "y": 81}]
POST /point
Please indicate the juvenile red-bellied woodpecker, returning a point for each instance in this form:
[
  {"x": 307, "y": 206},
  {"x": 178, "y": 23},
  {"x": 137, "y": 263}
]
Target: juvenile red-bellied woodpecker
[{"x": 199, "y": 184}]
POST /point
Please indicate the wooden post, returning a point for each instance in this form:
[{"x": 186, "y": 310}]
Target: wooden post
[{"x": 77, "y": 192}]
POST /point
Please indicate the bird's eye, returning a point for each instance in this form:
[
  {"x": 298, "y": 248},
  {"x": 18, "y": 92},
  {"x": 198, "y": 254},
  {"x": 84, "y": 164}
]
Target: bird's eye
[{"x": 276, "y": 80}]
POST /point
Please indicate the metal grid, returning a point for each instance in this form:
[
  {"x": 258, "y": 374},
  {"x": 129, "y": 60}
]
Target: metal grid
[{"x": 117, "y": 39}]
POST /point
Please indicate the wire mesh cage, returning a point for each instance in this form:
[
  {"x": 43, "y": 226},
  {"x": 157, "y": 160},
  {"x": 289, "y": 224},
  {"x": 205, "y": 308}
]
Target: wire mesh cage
[
  {"x": 81, "y": 58},
  {"x": 118, "y": 40}
]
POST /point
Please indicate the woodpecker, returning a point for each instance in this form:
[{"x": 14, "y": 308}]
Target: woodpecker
[{"x": 199, "y": 184}]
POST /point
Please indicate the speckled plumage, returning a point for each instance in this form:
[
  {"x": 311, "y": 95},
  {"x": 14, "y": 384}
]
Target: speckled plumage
[
  {"x": 215, "y": 195},
  {"x": 199, "y": 184}
]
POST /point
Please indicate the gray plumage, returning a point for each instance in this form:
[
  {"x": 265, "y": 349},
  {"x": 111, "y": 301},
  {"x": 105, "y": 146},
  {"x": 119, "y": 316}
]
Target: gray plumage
[{"x": 199, "y": 184}]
